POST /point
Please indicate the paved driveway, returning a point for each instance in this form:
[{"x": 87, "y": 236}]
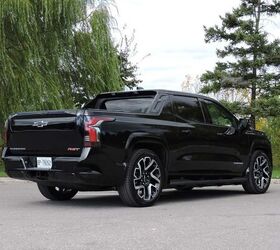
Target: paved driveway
[{"x": 209, "y": 218}]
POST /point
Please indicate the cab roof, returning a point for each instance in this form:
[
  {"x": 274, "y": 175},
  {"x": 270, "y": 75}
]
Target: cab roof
[{"x": 152, "y": 92}]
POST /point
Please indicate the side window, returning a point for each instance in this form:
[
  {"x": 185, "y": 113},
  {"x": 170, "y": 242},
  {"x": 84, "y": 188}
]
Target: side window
[
  {"x": 166, "y": 112},
  {"x": 219, "y": 116},
  {"x": 188, "y": 108}
]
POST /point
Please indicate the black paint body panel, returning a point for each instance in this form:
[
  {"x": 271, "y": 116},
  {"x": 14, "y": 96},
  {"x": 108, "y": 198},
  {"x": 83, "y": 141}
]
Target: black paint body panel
[{"x": 189, "y": 151}]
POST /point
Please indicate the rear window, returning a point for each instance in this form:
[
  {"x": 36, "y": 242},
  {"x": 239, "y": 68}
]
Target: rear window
[
  {"x": 133, "y": 105},
  {"x": 126, "y": 101},
  {"x": 127, "y": 105}
]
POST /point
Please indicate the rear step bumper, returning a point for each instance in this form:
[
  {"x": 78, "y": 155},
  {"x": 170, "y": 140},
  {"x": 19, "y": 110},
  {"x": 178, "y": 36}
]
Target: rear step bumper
[
  {"x": 67, "y": 171},
  {"x": 61, "y": 178}
]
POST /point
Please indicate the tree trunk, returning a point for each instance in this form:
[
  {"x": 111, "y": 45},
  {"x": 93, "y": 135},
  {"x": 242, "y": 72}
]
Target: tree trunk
[
  {"x": 253, "y": 99},
  {"x": 255, "y": 73}
]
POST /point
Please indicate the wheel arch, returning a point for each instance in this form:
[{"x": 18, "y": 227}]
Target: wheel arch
[
  {"x": 262, "y": 146},
  {"x": 146, "y": 141}
]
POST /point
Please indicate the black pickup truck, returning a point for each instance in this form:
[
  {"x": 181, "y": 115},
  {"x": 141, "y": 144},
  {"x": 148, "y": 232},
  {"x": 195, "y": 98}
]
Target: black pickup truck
[{"x": 137, "y": 143}]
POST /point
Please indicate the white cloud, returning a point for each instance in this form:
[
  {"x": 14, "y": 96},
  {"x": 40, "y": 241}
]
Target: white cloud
[{"x": 172, "y": 32}]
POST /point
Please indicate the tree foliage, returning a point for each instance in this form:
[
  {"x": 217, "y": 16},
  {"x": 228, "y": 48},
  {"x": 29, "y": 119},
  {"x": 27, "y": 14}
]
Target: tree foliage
[
  {"x": 271, "y": 127},
  {"x": 254, "y": 59},
  {"x": 54, "y": 54},
  {"x": 128, "y": 69}
]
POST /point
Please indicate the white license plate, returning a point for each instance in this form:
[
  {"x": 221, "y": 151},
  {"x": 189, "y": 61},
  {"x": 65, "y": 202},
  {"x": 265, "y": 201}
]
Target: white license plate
[{"x": 44, "y": 162}]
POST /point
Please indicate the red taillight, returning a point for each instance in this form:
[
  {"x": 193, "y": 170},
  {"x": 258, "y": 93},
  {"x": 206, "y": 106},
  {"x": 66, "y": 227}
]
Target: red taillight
[{"x": 92, "y": 129}]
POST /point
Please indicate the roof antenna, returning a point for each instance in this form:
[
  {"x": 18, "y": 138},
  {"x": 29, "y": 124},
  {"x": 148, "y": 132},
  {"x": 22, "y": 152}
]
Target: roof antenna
[{"x": 140, "y": 88}]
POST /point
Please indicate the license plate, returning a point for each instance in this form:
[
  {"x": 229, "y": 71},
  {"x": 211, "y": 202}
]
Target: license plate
[{"x": 44, "y": 162}]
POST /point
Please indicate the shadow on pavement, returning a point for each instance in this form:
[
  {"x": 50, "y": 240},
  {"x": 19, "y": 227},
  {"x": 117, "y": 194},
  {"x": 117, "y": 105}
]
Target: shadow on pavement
[
  {"x": 197, "y": 194},
  {"x": 112, "y": 200},
  {"x": 86, "y": 201}
]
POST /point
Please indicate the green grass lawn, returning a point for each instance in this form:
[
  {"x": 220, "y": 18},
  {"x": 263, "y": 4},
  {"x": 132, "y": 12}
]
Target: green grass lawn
[
  {"x": 276, "y": 173},
  {"x": 2, "y": 173}
]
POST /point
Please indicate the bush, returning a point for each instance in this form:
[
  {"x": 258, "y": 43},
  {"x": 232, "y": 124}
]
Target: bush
[{"x": 271, "y": 127}]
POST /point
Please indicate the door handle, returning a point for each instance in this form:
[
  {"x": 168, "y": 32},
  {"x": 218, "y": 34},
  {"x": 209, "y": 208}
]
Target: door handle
[{"x": 186, "y": 131}]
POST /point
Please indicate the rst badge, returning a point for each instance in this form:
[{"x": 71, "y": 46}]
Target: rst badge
[{"x": 73, "y": 149}]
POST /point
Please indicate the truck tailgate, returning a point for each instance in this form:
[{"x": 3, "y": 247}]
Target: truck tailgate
[{"x": 48, "y": 133}]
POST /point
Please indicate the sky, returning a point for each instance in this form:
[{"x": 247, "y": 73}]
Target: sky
[{"x": 171, "y": 34}]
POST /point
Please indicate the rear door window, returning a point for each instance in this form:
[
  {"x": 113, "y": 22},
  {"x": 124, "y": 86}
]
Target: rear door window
[{"x": 188, "y": 109}]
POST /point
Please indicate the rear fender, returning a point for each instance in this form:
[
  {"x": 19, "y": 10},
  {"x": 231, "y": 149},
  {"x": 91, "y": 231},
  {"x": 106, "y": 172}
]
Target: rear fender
[{"x": 148, "y": 141}]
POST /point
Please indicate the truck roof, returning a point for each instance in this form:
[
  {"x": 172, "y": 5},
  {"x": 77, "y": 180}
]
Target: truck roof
[{"x": 150, "y": 92}]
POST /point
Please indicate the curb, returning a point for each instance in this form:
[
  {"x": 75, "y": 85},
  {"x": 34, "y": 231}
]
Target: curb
[
  {"x": 7, "y": 179},
  {"x": 275, "y": 181}
]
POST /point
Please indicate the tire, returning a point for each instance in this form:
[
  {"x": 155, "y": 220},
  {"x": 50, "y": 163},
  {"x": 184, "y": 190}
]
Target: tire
[
  {"x": 57, "y": 193},
  {"x": 259, "y": 175},
  {"x": 143, "y": 181},
  {"x": 184, "y": 189}
]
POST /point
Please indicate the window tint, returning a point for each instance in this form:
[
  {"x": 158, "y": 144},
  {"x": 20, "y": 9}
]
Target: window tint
[
  {"x": 188, "y": 108},
  {"x": 219, "y": 116},
  {"x": 167, "y": 112},
  {"x": 131, "y": 105}
]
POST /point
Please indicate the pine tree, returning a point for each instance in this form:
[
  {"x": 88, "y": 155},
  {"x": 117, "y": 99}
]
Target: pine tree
[
  {"x": 254, "y": 60},
  {"x": 127, "y": 49}
]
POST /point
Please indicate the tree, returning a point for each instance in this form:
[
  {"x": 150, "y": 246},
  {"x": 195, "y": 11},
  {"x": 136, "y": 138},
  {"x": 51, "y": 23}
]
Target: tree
[
  {"x": 54, "y": 54},
  {"x": 128, "y": 70},
  {"x": 94, "y": 65},
  {"x": 256, "y": 62},
  {"x": 271, "y": 127}
]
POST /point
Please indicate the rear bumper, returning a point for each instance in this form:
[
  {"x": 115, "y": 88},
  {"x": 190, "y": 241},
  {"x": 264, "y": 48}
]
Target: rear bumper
[{"x": 90, "y": 171}]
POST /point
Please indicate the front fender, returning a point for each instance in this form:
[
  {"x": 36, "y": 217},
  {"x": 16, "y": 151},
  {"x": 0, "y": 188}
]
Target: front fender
[{"x": 262, "y": 144}]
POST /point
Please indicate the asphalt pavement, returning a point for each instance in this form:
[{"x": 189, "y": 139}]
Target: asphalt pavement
[{"x": 206, "y": 218}]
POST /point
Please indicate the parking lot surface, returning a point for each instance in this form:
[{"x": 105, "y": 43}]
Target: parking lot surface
[{"x": 208, "y": 218}]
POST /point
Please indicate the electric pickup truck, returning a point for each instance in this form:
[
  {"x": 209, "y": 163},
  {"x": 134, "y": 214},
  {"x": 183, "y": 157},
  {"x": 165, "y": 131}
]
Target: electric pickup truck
[{"x": 138, "y": 143}]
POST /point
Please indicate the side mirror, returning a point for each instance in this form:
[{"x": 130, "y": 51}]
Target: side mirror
[
  {"x": 243, "y": 124},
  {"x": 230, "y": 131}
]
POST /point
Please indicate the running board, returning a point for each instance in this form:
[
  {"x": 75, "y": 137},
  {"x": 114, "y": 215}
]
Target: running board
[{"x": 203, "y": 183}]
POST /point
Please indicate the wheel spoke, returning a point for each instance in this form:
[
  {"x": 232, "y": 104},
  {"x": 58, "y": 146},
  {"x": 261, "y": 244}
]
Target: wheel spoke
[
  {"x": 150, "y": 164},
  {"x": 137, "y": 173},
  {"x": 140, "y": 167},
  {"x": 141, "y": 192},
  {"x": 259, "y": 160},
  {"x": 259, "y": 182},
  {"x": 262, "y": 183},
  {"x": 266, "y": 171},
  {"x": 264, "y": 162},
  {"x": 256, "y": 174},
  {"x": 149, "y": 193},
  {"x": 138, "y": 186},
  {"x": 155, "y": 177},
  {"x": 261, "y": 172},
  {"x": 147, "y": 180}
]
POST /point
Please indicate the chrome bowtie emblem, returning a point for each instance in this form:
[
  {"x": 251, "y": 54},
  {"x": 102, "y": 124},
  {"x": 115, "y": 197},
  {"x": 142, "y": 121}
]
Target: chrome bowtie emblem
[{"x": 40, "y": 124}]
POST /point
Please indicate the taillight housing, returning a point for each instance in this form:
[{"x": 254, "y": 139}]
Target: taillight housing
[{"x": 93, "y": 130}]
